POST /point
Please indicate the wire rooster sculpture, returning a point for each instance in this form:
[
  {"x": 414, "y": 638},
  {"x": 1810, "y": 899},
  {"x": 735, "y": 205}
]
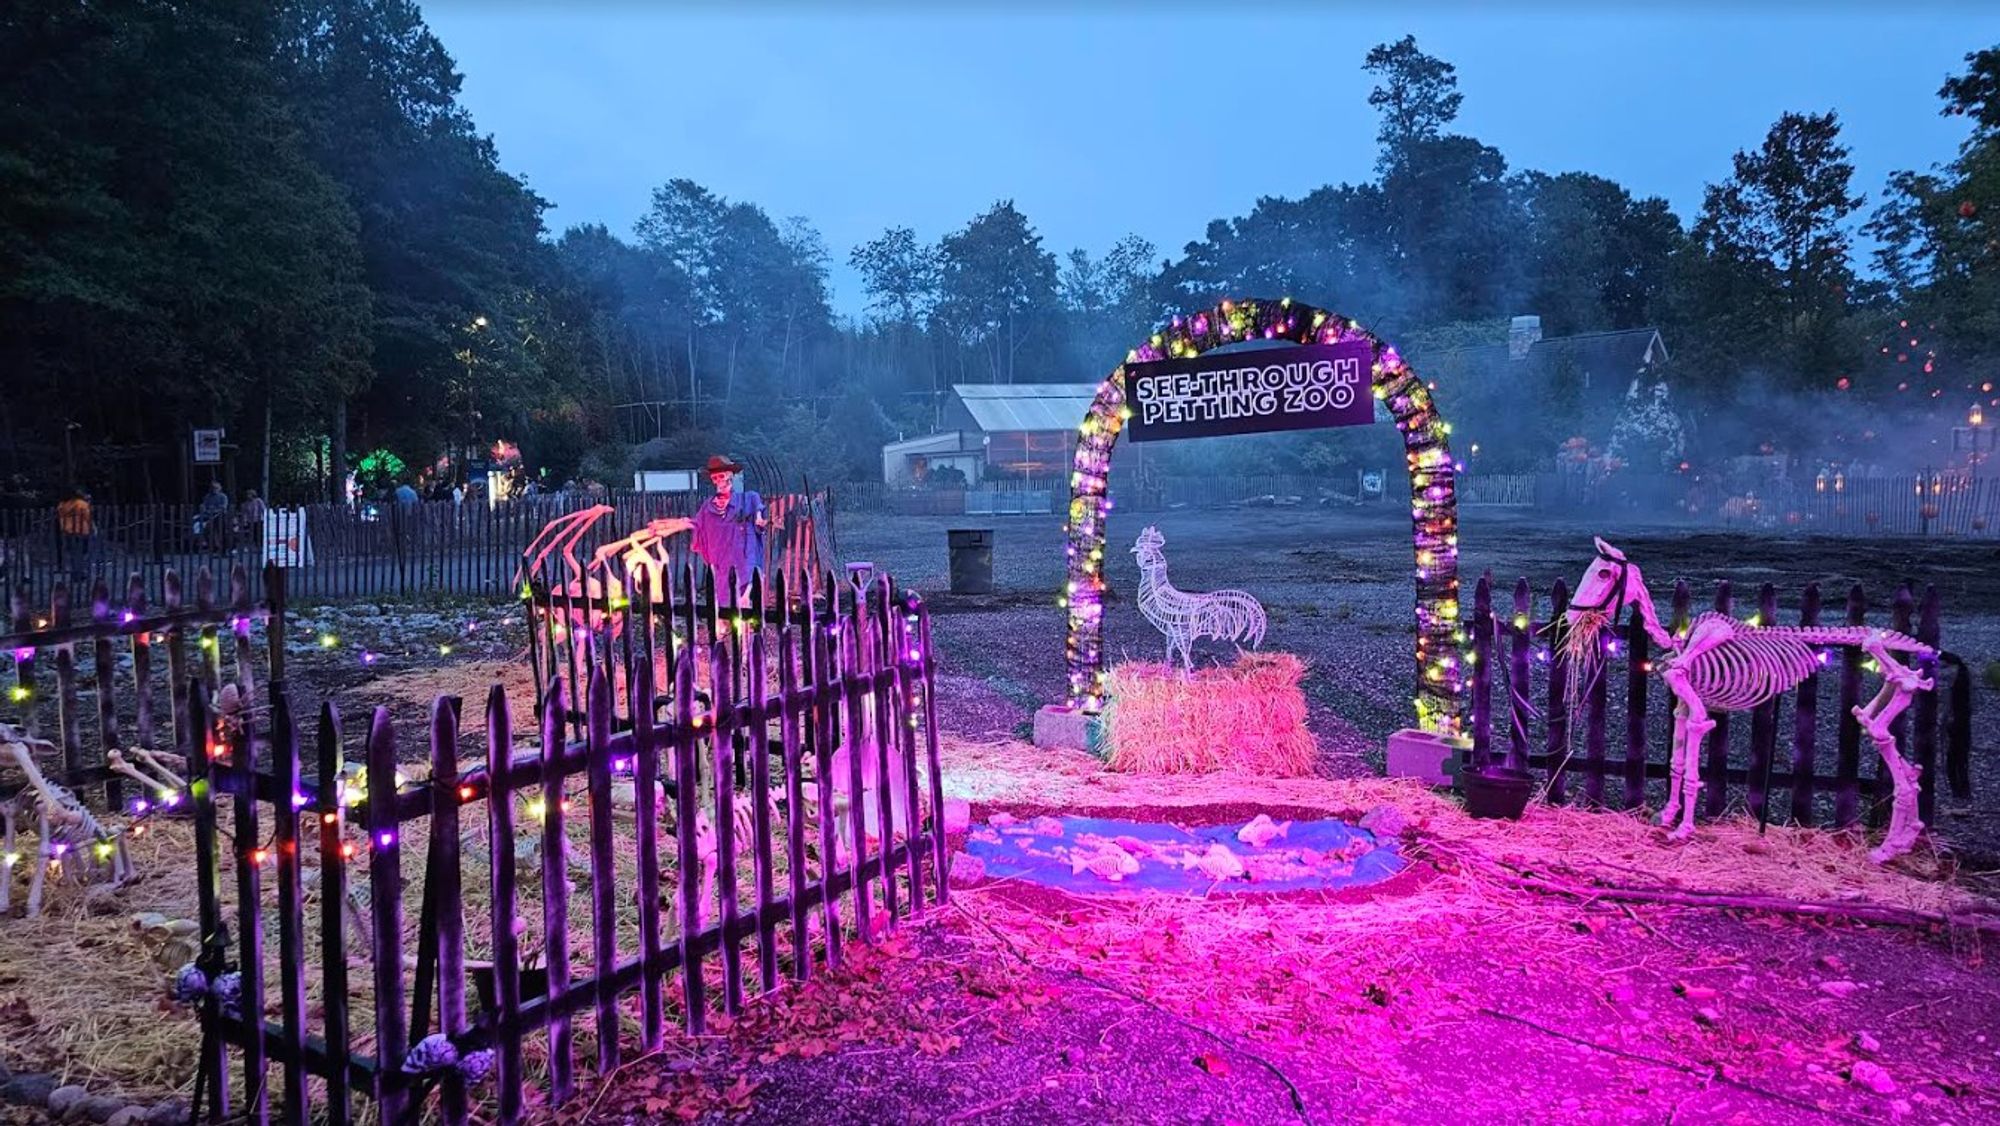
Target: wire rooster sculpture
[
  {"x": 1721, "y": 664},
  {"x": 1226, "y": 615}
]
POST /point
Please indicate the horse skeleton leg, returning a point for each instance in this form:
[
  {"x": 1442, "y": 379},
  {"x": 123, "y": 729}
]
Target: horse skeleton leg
[{"x": 1899, "y": 683}]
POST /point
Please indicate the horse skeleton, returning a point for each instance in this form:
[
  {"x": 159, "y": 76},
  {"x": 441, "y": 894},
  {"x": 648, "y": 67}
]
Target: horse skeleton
[{"x": 1723, "y": 664}]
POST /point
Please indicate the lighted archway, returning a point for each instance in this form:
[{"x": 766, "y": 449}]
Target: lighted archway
[{"x": 1433, "y": 493}]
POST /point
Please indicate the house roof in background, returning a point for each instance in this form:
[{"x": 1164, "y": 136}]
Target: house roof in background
[
  {"x": 1605, "y": 354},
  {"x": 1621, "y": 353},
  {"x": 997, "y": 407}
]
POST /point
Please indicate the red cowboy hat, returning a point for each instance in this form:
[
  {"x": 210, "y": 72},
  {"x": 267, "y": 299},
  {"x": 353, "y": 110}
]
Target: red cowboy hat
[{"x": 720, "y": 464}]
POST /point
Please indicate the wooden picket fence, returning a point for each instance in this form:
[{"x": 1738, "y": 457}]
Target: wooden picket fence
[
  {"x": 1510, "y": 653},
  {"x": 824, "y": 698},
  {"x": 374, "y": 550},
  {"x": 87, "y": 714}
]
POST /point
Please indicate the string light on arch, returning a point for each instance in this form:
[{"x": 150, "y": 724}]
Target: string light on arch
[{"x": 1433, "y": 494}]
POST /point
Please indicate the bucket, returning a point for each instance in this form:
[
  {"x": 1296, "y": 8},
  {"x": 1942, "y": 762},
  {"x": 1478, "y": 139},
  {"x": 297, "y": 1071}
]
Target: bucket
[{"x": 1497, "y": 793}]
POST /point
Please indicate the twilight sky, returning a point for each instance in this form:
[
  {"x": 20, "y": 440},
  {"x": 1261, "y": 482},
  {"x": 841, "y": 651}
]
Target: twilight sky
[{"x": 1146, "y": 119}]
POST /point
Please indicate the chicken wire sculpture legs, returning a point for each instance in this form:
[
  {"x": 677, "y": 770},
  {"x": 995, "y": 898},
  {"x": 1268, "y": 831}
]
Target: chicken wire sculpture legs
[
  {"x": 1724, "y": 665},
  {"x": 1226, "y": 615}
]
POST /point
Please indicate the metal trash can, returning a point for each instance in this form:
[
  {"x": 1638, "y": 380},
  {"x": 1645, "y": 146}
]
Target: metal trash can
[{"x": 971, "y": 560}]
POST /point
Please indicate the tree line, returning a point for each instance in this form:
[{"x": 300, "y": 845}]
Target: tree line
[{"x": 277, "y": 218}]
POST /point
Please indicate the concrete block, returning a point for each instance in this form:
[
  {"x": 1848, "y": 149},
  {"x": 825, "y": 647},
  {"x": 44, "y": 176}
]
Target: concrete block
[
  {"x": 1070, "y": 729},
  {"x": 1423, "y": 755}
]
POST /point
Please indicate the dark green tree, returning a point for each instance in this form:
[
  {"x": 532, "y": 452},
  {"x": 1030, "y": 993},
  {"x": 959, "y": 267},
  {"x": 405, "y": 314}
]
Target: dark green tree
[
  {"x": 997, "y": 297},
  {"x": 446, "y": 235},
  {"x": 1596, "y": 257},
  {"x": 1939, "y": 231},
  {"x": 1769, "y": 274},
  {"x": 170, "y": 256},
  {"x": 1416, "y": 93}
]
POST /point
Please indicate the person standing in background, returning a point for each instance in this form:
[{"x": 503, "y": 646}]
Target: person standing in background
[
  {"x": 729, "y": 528},
  {"x": 250, "y": 517},
  {"x": 213, "y": 518},
  {"x": 73, "y": 521}
]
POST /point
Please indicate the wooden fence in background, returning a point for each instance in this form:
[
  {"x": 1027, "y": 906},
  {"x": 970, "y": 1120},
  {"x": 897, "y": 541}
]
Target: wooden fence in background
[
  {"x": 849, "y": 689},
  {"x": 1627, "y": 711},
  {"x": 359, "y": 551}
]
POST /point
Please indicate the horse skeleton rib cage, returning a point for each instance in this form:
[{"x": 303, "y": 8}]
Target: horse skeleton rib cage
[
  {"x": 1184, "y": 616},
  {"x": 1723, "y": 664},
  {"x": 642, "y": 560},
  {"x": 641, "y": 555}
]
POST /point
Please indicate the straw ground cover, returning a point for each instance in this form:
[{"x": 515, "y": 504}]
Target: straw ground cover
[{"x": 82, "y": 995}]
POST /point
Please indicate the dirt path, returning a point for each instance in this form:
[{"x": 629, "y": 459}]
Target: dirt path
[{"x": 1651, "y": 1016}]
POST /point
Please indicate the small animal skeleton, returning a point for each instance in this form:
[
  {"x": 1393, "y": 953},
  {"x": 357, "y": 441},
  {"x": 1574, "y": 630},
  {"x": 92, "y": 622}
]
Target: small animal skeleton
[
  {"x": 63, "y": 823},
  {"x": 1723, "y": 664},
  {"x": 1226, "y": 615},
  {"x": 151, "y": 771}
]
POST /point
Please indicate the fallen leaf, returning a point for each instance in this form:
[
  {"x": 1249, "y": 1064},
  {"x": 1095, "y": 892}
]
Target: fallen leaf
[
  {"x": 738, "y": 1095},
  {"x": 1213, "y": 1064}
]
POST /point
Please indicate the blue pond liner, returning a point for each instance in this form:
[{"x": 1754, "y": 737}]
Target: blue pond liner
[{"x": 1044, "y": 858}]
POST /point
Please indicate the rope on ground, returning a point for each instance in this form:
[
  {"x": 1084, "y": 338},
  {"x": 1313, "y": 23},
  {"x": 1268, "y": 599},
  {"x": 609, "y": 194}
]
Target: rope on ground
[{"x": 1230, "y": 1042}]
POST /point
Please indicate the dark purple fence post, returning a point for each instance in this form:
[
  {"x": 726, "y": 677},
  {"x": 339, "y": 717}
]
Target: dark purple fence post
[
  {"x": 1638, "y": 664},
  {"x": 1482, "y": 672},
  {"x": 1847, "y": 801},
  {"x": 1763, "y": 722},
  {"x": 931, "y": 759},
  {"x": 505, "y": 906},
  {"x": 208, "y": 893},
  {"x": 760, "y": 789},
  {"x": 1559, "y": 703},
  {"x": 555, "y": 894},
  {"x": 1518, "y": 677},
  {"x": 877, "y": 661},
  {"x": 291, "y": 901},
  {"x": 446, "y": 798},
  {"x": 795, "y": 803},
  {"x": 646, "y": 824},
  {"x": 687, "y": 783},
  {"x": 250, "y": 858},
  {"x": 333, "y": 857},
  {"x": 722, "y": 733},
  {"x": 1805, "y": 725},
  {"x": 385, "y": 897},
  {"x": 602, "y": 709}
]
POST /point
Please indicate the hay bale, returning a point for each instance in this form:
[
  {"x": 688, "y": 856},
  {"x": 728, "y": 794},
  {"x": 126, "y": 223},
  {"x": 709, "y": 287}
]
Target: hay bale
[{"x": 1247, "y": 718}]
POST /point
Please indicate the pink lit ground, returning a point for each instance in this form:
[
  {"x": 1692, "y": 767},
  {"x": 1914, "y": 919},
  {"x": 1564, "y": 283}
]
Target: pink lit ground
[{"x": 1455, "y": 1000}]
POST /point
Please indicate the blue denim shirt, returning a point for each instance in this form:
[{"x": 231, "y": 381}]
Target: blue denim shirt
[{"x": 730, "y": 541}]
